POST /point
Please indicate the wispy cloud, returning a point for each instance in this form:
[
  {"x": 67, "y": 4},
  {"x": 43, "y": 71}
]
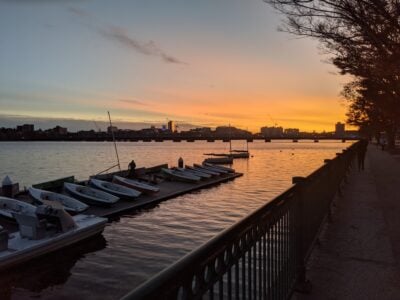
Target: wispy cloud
[
  {"x": 150, "y": 48},
  {"x": 78, "y": 12},
  {"x": 130, "y": 101},
  {"x": 122, "y": 37}
]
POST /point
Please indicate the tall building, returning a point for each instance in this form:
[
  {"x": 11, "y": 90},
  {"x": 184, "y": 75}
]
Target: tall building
[
  {"x": 272, "y": 131},
  {"x": 340, "y": 129},
  {"x": 171, "y": 126},
  {"x": 26, "y": 128},
  {"x": 292, "y": 132},
  {"x": 111, "y": 129}
]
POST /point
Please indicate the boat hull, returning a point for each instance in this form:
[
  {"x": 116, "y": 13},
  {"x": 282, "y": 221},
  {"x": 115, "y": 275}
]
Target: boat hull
[
  {"x": 180, "y": 176},
  {"x": 13, "y": 258},
  {"x": 130, "y": 184},
  {"x": 91, "y": 200}
]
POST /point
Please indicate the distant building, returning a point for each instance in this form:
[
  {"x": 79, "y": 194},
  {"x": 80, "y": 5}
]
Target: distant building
[
  {"x": 230, "y": 131},
  {"x": 292, "y": 132},
  {"x": 111, "y": 129},
  {"x": 340, "y": 129},
  {"x": 171, "y": 126},
  {"x": 272, "y": 131},
  {"x": 26, "y": 128},
  {"x": 201, "y": 130},
  {"x": 60, "y": 130}
]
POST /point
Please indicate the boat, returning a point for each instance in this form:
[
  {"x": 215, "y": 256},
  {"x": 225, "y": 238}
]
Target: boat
[
  {"x": 195, "y": 173},
  {"x": 70, "y": 204},
  {"x": 180, "y": 176},
  {"x": 45, "y": 230},
  {"x": 220, "y": 160},
  {"x": 8, "y": 206},
  {"x": 217, "y": 154},
  {"x": 114, "y": 189},
  {"x": 135, "y": 184},
  {"x": 90, "y": 195},
  {"x": 240, "y": 154},
  {"x": 219, "y": 171},
  {"x": 229, "y": 170},
  {"x": 198, "y": 172},
  {"x": 200, "y": 169}
]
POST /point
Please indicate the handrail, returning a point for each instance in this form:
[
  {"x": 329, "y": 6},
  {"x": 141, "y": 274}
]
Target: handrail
[{"x": 264, "y": 254}]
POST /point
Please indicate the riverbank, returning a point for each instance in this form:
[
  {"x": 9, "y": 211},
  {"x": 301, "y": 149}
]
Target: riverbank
[{"x": 358, "y": 256}]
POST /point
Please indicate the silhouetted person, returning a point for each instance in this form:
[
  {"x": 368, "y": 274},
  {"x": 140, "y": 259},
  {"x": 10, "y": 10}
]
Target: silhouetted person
[
  {"x": 131, "y": 169},
  {"x": 361, "y": 152},
  {"x": 180, "y": 162}
]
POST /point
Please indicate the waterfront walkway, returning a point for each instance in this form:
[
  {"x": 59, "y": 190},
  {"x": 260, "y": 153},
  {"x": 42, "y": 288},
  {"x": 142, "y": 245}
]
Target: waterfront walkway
[{"x": 358, "y": 256}]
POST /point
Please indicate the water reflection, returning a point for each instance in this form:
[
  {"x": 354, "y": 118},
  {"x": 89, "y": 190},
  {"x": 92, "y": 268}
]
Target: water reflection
[
  {"x": 48, "y": 271},
  {"x": 141, "y": 244}
]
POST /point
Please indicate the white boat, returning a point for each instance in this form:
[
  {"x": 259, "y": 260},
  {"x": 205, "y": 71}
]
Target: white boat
[
  {"x": 229, "y": 170},
  {"x": 240, "y": 154},
  {"x": 115, "y": 189},
  {"x": 69, "y": 204},
  {"x": 135, "y": 184},
  {"x": 8, "y": 206},
  {"x": 194, "y": 172},
  {"x": 203, "y": 170},
  {"x": 211, "y": 169},
  {"x": 90, "y": 195},
  {"x": 180, "y": 176},
  {"x": 220, "y": 160},
  {"x": 42, "y": 231}
]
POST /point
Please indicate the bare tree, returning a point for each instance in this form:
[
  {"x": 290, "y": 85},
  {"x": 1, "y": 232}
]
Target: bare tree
[{"x": 363, "y": 39}]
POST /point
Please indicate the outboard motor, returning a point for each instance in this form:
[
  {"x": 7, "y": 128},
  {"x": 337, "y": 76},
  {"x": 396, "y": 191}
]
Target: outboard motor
[
  {"x": 3, "y": 239},
  {"x": 56, "y": 215}
]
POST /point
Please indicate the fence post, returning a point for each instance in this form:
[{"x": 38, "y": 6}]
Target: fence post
[{"x": 302, "y": 285}]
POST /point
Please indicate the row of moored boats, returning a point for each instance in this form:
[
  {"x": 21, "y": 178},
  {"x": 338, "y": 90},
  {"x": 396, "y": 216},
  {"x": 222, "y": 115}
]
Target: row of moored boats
[{"x": 55, "y": 220}]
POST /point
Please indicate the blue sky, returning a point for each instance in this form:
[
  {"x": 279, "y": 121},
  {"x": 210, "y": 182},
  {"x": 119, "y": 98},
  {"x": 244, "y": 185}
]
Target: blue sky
[{"x": 200, "y": 62}]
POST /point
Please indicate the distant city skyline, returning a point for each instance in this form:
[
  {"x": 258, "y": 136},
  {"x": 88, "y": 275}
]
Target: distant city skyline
[
  {"x": 96, "y": 125},
  {"x": 204, "y": 63}
]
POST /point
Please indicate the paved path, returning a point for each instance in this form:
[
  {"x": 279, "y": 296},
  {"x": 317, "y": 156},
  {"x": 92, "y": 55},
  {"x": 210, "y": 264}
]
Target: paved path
[{"x": 359, "y": 253}]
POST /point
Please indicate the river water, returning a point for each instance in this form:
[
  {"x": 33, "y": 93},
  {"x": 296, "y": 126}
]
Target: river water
[{"x": 138, "y": 245}]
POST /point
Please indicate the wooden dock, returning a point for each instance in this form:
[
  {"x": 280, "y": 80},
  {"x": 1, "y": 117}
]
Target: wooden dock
[{"x": 168, "y": 190}]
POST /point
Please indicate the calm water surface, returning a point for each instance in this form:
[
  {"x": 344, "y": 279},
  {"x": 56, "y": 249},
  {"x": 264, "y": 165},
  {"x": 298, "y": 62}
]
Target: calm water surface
[{"x": 136, "y": 246}]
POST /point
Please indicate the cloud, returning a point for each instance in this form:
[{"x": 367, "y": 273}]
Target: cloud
[
  {"x": 129, "y": 101},
  {"x": 78, "y": 12},
  {"x": 150, "y": 48},
  {"x": 120, "y": 36}
]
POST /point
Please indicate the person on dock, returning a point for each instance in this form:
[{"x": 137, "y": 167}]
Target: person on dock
[
  {"x": 180, "y": 162},
  {"x": 131, "y": 169},
  {"x": 361, "y": 152}
]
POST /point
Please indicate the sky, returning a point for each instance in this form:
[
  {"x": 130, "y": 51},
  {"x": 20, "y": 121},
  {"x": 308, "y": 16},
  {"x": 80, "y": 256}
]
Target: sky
[{"x": 205, "y": 63}]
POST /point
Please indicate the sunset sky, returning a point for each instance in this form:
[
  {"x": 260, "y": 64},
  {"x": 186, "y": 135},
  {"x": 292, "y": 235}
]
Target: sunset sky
[{"x": 206, "y": 63}]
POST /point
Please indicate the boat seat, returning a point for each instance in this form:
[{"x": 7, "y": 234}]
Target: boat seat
[
  {"x": 30, "y": 226},
  {"x": 3, "y": 239}
]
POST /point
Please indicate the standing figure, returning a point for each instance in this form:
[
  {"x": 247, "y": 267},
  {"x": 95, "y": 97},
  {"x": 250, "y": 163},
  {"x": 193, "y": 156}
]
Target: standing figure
[
  {"x": 131, "y": 169},
  {"x": 361, "y": 152}
]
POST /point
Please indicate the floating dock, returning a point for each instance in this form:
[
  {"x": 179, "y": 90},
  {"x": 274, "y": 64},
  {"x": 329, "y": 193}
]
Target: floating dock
[{"x": 168, "y": 190}]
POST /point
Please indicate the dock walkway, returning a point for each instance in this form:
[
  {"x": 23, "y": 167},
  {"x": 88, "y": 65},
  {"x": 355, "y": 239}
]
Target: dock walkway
[
  {"x": 168, "y": 190},
  {"x": 359, "y": 252}
]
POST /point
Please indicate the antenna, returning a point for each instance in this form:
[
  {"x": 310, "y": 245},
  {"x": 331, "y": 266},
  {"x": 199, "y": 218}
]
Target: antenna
[
  {"x": 115, "y": 144},
  {"x": 97, "y": 126},
  {"x": 273, "y": 121}
]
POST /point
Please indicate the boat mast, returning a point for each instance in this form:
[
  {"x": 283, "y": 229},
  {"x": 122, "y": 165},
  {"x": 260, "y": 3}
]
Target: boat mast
[
  {"x": 230, "y": 139},
  {"x": 115, "y": 144}
]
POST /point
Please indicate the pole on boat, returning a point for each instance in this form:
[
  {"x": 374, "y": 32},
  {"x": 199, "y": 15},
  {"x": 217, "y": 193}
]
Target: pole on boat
[
  {"x": 115, "y": 144},
  {"x": 230, "y": 139}
]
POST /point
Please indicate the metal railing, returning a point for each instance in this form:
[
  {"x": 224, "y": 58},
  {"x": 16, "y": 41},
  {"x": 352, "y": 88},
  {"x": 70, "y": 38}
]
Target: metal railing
[{"x": 262, "y": 256}]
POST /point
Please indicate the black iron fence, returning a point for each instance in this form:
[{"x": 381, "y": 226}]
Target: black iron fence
[{"x": 262, "y": 256}]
